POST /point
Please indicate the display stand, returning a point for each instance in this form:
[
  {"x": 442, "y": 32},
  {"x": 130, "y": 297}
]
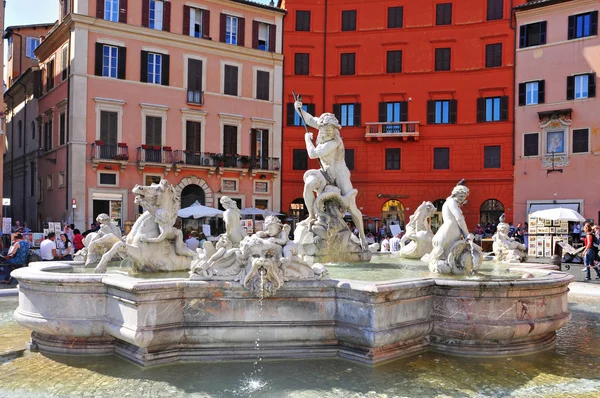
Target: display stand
[{"x": 544, "y": 235}]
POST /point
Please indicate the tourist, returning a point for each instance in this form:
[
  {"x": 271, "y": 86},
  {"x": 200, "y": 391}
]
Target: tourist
[
  {"x": 26, "y": 227},
  {"x": 511, "y": 230},
  {"x": 589, "y": 254},
  {"x": 77, "y": 240},
  {"x": 192, "y": 243},
  {"x": 69, "y": 232},
  {"x": 478, "y": 230},
  {"x": 382, "y": 233},
  {"x": 18, "y": 256},
  {"x": 17, "y": 227},
  {"x": 48, "y": 248},
  {"x": 395, "y": 243},
  {"x": 66, "y": 250},
  {"x": 385, "y": 244},
  {"x": 202, "y": 239},
  {"x": 576, "y": 233},
  {"x": 370, "y": 237},
  {"x": 488, "y": 230}
]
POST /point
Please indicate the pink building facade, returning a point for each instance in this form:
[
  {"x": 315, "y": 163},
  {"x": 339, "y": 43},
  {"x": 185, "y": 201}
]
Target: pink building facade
[
  {"x": 140, "y": 90},
  {"x": 557, "y": 142}
]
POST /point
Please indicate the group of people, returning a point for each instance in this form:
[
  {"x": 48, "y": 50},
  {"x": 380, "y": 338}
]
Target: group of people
[
  {"x": 519, "y": 232},
  {"x": 391, "y": 243},
  {"x": 195, "y": 240}
]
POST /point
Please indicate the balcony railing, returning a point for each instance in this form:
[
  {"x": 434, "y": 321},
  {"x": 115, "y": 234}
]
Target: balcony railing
[
  {"x": 392, "y": 129},
  {"x": 102, "y": 151},
  {"x": 195, "y": 97},
  {"x": 230, "y": 161},
  {"x": 155, "y": 154}
]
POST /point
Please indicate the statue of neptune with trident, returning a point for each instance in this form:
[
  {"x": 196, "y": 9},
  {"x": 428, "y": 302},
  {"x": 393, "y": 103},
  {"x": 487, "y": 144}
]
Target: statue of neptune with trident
[{"x": 330, "y": 152}]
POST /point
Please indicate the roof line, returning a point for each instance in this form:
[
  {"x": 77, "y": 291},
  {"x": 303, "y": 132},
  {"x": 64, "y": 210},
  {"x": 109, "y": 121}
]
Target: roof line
[
  {"x": 259, "y": 5},
  {"x": 538, "y": 4}
]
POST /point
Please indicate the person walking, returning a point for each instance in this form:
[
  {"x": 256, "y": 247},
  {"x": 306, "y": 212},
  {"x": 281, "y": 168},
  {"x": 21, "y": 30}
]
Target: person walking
[{"x": 589, "y": 254}]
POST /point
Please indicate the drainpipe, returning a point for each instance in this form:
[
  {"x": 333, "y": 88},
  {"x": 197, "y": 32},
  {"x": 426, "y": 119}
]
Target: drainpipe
[
  {"x": 68, "y": 132},
  {"x": 325, "y": 54},
  {"x": 24, "y": 132},
  {"x": 514, "y": 122}
]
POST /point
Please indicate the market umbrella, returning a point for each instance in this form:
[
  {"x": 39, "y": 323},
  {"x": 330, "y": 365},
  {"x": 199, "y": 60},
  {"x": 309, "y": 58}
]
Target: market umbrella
[
  {"x": 252, "y": 211},
  {"x": 558, "y": 214},
  {"x": 272, "y": 213},
  {"x": 197, "y": 210}
]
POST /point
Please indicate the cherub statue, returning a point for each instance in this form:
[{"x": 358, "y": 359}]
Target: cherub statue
[
  {"x": 232, "y": 215},
  {"x": 505, "y": 247},
  {"x": 98, "y": 243}
]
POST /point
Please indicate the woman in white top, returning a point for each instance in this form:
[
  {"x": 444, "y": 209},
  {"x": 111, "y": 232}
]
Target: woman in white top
[{"x": 66, "y": 251}]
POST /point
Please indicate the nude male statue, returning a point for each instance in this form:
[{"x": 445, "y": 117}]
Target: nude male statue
[{"x": 334, "y": 171}]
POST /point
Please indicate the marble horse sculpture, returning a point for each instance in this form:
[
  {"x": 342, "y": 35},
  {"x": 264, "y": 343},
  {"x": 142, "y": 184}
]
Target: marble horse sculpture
[
  {"x": 506, "y": 248},
  {"x": 416, "y": 242},
  {"x": 154, "y": 244},
  {"x": 324, "y": 236},
  {"x": 451, "y": 254}
]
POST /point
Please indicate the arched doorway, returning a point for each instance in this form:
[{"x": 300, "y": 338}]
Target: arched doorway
[
  {"x": 392, "y": 212},
  {"x": 436, "y": 218},
  {"x": 490, "y": 211},
  {"x": 298, "y": 210},
  {"x": 190, "y": 194}
]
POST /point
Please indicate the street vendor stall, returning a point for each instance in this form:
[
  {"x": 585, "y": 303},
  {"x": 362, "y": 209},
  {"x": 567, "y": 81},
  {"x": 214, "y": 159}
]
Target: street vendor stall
[{"x": 549, "y": 227}]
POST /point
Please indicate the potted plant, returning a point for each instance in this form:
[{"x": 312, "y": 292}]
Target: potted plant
[
  {"x": 167, "y": 148},
  {"x": 146, "y": 146},
  {"x": 122, "y": 145},
  {"x": 99, "y": 142},
  {"x": 218, "y": 158},
  {"x": 156, "y": 147},
  {"x": 244, "y": 159}
]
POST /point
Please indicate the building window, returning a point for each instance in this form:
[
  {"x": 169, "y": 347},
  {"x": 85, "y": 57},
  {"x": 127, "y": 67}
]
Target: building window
[
  {"x": 111, "y": 10},
  {"x": 492, "y": 109},
  {"x": 495, "y": 9},
  {"x": 231, "y": 30},
  {"x": 262, "y": 85},
  {"x": 61, "y": 179},
  {"x": 300, "y": 157},
  {"x": 153, "y": 130},
  {"x": 443, "y": 14},
  {"x": 109, "y": 131},
  {"x": 531, "y": 144},
  {"x": 196, "y": 22},
  {"x": 392, "y": 158},
  {"x": 62, "y": 129},
  {"x": 583, "y": 25},
  {"x": 301, "y": 63},
  {"x": 581, "y": 86},
  {"x": 110, "y": 61},
  {"x": 108, "y": 179},
  {"x": 303, "y": 21},
  {"x": 393, "y": 112},
  {"x": 347, "y": 64},
  {"x": 395, "y": 17},
  {"x": 533, "y": 34},
  {"x": 264, "y": 36},
  {"x": 349, "y": 157},
  {"x": 297, "y": 119},
  {"x": 49, "y": 182},
  {"x": 230, "y": 139},
  {"x": 156, "y": 14},
  {"x": 194, "y": 81},
  {"x": 193, "y": 132},
  {"x": 441, "y": 158},
  {"x": 441, "y": 111},
  {"x": 230, "y": 81},
  {"x": 20, "y": 132},
  {"x": 293, "y": 119},
  {"x": 347, "y": 114},
  {"x": 10, "y": 47},
  {"x": 442, "y": 59},
  {"x": 48, "y": 135},
  {"x": 49, "y": 75},
  {"x": 348, "y": 20},
  {"x": 394, "y": 61},
  {"x": 155, "y": 68},
  {"x": 493, "y": 55},
  {"x": 491, "y": 157},
  {"x": 259, "y": 146},
  {"x": 64, "y": 62},
  {"x": 581, "y": 141},
  {"x": 532, "y": 93},
  {"x": 31, "y": 43}
]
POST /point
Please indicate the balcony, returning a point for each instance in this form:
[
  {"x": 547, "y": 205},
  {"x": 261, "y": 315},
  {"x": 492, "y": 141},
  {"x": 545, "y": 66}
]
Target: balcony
[
  {"x": 403, "y": 130},
  {"x": 195, "y": 97},
  {"x": 155, "y": 155},
  {"x": 218, "y": 162},
  {"x": 105, "y": 153}
]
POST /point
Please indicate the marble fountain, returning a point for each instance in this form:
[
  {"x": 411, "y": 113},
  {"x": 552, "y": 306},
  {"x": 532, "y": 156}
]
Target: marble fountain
[{"x": 177, "y": 305}]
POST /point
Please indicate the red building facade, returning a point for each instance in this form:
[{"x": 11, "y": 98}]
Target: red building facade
[{"x": 424, "y": 92}]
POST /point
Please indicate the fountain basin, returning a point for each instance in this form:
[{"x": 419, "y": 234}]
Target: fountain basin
[{"x": 156, "y": 321}]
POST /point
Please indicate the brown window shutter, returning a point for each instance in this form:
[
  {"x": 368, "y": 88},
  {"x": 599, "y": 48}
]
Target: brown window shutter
[
  {"x": 121, "y": 67},
  {"x": 165, "y": 70},
  {"x": 383, "y": 112},
  {"x": 253, "y": 134},
  {"x": 272, "y": 38},
  {"x": 430, "y": 111},
  {"x": 404, "y": 111},
  {"x": 186, "y": 21},
  {"x": 167, "y": 16},
  {"x": 98, "y": 60},
  {"x": 290, "y": 113},
  {"x": 123, "y": 11},
  {"x": 223, "y": 28},
  {"x": 453, "y": 111},
  {"x": 144, "y": 67},
  {"x": 205, "y": 24},
  {"x": 337, "y": 112},
  {"x": 241, "y": 32},
  {"x": 480, "y": 110},
  {"x": 265, "y": 143},
  {"x": 145, "y": 13},
  {"x": 100, "y": 9},
  {"x": 255, "y": 34},
  {"x": 504, "y": 107}
]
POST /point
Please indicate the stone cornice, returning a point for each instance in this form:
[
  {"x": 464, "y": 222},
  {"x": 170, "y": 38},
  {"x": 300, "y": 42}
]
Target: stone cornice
[
  {"x": 54, "y": 40},
  {"x": 552, "y": 8}
]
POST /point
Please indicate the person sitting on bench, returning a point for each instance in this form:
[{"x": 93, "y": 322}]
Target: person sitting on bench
[{"x": 18, "y": 256}]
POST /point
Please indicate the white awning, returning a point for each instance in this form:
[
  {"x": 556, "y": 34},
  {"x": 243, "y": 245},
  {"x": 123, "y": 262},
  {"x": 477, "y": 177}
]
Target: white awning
[
  {"x": 545, "y": 206},
  {"x": 107, "y": 196}
]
